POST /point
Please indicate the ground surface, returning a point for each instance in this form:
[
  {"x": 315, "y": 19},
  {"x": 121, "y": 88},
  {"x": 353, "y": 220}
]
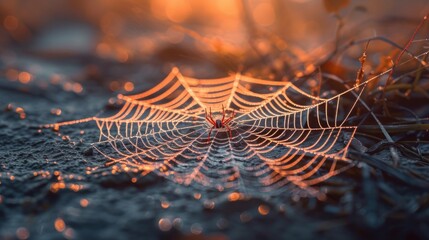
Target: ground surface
[{"x": 35, "y": 163}]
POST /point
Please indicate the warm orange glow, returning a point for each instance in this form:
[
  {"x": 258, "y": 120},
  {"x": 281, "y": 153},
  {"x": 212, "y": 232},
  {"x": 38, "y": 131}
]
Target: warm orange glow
[
  {"x": 264, "y": 14},
  {"x": 55, "y": 187},
  {"x": 12, "y": 74},
  {"x": 164, "y": 224},
  {"x": 174, "y": 36},
  {"x": 335, "y": 5},
  {"x": 56, "y": 127},
  {"x": 122, "y": 55},
  {"x": 228, "y": 7},
  {"x": 165, "y": 204},
  {"x": 197, "y": 196},
  {"x": 263, "y": 210},
  {"x": 56, "y": 111},
  {"x": 234, "y": 196},
  {"x": 84, "y": 202},
  {"x": 55, "y": 79},
  {"x": 114, "y": 86},
  {"x": 68, "y": 86},
  {"x": 24, "y": 77},
  {"x": 177, "y": 10},
  {"x": 60, "y": 225},
  {"x": 129, "y": 86},
  {"x": 75, "y": 187},
  {"x": 22, "y": 233},
  {"x": 19, "y": 110},
  {"x": 77, "y": 88},
  {"x": 11, "y": 23},
  {"x": 110, "y": 23},
  {"x": 103, "y": 49},
  {"x": 241, "y": 142}
]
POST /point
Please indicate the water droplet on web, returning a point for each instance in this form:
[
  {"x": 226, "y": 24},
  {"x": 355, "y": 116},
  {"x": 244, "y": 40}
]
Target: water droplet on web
[
  {"x": 197, "y": 196},
  {"x": 59, "y": 225},
  {"x": 234, "y": 196},
  {"x": 165, "y": 204},
  {"x": 263, "y": 209}
]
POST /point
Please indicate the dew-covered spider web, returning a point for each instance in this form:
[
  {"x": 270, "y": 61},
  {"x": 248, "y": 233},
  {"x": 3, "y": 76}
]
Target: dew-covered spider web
[{"x": 280, "y": 136}]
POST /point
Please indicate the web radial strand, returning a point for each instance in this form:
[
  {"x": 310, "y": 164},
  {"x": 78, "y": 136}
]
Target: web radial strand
[{"x": 281, "y": 135}]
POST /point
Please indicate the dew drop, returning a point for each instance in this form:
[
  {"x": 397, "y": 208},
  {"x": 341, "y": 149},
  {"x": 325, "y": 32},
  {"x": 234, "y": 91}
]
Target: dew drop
[
  {"x": 164, "y": 224},
  {"x": 56, "y": 111},
  {"x": 22, "y": 233},
  {"x": 84, "y": 202},
  {"x": 197, "y": 196},
  {"x": 234, "y": 196},
  {"x": 263, "y": 209},
  {"x": 59, "y": 225},
  {"x": 165, "y": 204},
  {"x": 65, "y": 138}
]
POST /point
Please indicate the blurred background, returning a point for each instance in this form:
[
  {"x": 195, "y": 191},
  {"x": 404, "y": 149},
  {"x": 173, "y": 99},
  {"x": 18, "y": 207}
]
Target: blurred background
[{"x": 93, "y": 37}]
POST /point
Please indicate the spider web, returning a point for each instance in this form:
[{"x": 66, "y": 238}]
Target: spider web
[{"x": 281, "y": 135}]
